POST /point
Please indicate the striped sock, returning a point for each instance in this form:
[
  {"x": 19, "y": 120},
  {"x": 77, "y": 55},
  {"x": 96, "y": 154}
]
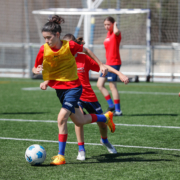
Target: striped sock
[
  {"x": 117, "y": 105},
  {"x": 109, "y": 101},
  {"x": 81, "y": 146},
  {"x": 62, "y": 143},
  {"x": 98, "y": 118},
  {"x": 104, "y": 139}
]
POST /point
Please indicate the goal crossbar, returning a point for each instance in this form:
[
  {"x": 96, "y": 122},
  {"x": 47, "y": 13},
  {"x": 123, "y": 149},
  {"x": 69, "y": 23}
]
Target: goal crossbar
[
  {"x": 73, "y": 11},
  {"x": 92, "y": 12}
]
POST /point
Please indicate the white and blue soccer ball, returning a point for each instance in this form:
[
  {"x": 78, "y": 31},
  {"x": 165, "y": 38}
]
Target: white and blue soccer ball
[{"x": 35, "y": 154}]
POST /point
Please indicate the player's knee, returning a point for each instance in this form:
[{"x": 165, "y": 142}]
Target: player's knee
[
  {"x": 112, "y": 86},
  {"x": 62, "y": 120}
]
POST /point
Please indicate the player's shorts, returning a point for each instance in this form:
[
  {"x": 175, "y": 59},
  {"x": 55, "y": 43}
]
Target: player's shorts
[
  {"x": 69, "y": 97},
  {"x": 91, "y": 107},
  {"x": 111, "y": 76}
]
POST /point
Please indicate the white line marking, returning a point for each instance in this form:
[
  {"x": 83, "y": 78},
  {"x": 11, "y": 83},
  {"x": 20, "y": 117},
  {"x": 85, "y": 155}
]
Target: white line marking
[
  {"x": 36, "y": 89},
  {"x": 97, "y": 91},
  {"x": 156, "y": 126},
  {"x": 93, "y": 144},
  {"x": 70, "y": 122},
  {"x": 142, "y": 84},
  {"x": 26, "y": 120},
  {"x": 138, "y": 92}
]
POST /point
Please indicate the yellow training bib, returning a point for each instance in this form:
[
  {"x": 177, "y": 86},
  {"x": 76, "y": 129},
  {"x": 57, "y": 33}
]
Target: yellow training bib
[{"x": 60, "y": 65}]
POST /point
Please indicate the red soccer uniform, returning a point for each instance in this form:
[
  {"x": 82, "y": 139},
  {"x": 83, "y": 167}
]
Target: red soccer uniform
[
  {"x": 84, "y": 64},
  {"x": 74, "y": 48},
  {"x": 111, "y": 44}
]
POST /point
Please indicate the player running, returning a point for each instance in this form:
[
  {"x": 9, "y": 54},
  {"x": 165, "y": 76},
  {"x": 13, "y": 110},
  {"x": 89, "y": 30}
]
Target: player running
[
  {"x": 88, "y": 99},
  {"x": 59, "y": 68}
]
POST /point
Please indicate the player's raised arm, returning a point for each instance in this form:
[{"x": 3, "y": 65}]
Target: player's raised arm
[
  {"x": 115, "y": 29},
  {"x": 103, "y": 68}
]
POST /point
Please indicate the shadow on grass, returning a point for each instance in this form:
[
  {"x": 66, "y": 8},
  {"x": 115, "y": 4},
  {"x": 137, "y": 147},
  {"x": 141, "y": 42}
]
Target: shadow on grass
[
  {"x": 178, "y": 156},
  {"x": 114, "y": 158},
  {"x": 42, "y": 165},
  {"x": 25, "y": 113},
  {"x": 151, "y": 115}
]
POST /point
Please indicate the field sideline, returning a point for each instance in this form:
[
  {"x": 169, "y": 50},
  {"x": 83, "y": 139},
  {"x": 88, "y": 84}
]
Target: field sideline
[{"x": 146, "y": 136}]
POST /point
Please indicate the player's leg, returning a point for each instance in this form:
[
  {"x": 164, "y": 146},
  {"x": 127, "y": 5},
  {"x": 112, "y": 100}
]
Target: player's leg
[
  {"x": 80, "y": 139},
  {"x": 79, "y": 119},
  {"x": 105, "y": 92},
  {"x": 79, "y": 129},
  {"x": 113, "y": 87},
  {"x": 103, "y": 129},
  {"x": 62, "y": 137},
  {"x": 68, "y": 99},
  {"x": 104, "y": 139},
  {"x": 95, "y": 107},
  {"x": 116, "y": 97}
]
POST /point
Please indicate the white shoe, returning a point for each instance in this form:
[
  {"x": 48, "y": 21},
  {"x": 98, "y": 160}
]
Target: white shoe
[
  {"x": 116, "y": 113},
  {"x": 81, "y": 155},
  {"x": 109, "y": 147}
]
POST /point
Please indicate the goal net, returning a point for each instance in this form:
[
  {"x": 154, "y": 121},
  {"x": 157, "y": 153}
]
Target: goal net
[{"x": 134, "y": 25}]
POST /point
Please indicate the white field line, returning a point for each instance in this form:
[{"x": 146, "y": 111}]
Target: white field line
[
  {"x": 70, "y": 122},
  {"x": 138, "y": 92},
  {"x": 144, "y": 84},
  {"x": 122, "y": 92},
  {"x": 92, "y": 144},
  {"x": 36, "y": 89}
]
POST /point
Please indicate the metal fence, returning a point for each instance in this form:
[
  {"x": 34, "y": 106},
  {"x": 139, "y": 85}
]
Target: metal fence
[{"x": 19, "y": 38}]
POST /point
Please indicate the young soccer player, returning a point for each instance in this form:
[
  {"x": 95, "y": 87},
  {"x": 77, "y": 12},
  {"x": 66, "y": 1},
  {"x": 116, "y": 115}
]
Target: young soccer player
[
  {"x": 60, "y": 70},
  {"x": 111, "y": 43},
  {"x": 88, "y": 99}
]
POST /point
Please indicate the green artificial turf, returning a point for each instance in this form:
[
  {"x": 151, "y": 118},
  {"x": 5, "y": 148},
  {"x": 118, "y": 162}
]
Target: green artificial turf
[{"x": 155, "y": 105}]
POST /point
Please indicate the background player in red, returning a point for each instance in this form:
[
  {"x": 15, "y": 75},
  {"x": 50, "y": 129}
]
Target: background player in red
[
  {"x": 60, "y": 70},
  {"x": 111, "y": 44},
  {"x": 88, "y": 99}
]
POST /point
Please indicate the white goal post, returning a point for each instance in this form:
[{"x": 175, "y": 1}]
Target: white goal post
[{"x": 90, "y": 15}]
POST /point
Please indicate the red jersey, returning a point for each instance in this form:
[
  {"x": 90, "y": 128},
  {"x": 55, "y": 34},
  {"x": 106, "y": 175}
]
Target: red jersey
[
  {"x": 74, "y": 48},
  {"x": 111, "y": 44},
  {"x": 84, "y": 64}
]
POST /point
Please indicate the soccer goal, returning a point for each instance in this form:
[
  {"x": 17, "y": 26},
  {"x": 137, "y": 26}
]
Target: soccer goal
[{"x": 134, "y": 24}]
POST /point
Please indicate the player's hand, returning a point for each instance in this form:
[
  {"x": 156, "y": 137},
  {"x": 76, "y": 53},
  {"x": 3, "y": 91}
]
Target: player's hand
[
  {"x": 115, "y": 24},
  {"x": 124, "y": 78},
  {"x": 115, "y": 29},
  {"x": 44, "y": 85},
  {"x": 104, "y": 70},
  {"x": 39, "y": 69}
]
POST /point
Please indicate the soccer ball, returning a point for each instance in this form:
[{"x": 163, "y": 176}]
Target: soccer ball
[{"x": 35, "y": 154}]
